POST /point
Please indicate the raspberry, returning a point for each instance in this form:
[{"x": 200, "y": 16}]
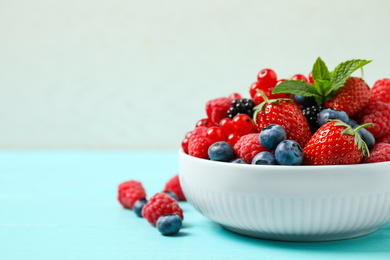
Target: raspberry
[
  {"x": 160, "y": 204},
  {"x": 380, "y": 153},
  {"x": 198, "y": 144},
  {"x": 384, "y": 139},
  {"x": 174, "y": 185},
  {"x": 378, "y": 113},
  {"x": 381, "y": 90},
  {"x": 129, "y": 192},
  {"x": 248, "y": 146},
  {"x": 216, "y": 108}
]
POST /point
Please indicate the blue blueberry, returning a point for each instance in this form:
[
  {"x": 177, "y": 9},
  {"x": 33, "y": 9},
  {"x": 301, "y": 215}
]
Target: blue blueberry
[
  {"x": 289, "y": 152},
  {"x": 138, "y": 206},
  {"x": 169, "y": 224},
  {"x": 264, "y": 158},
  {"x": 172, "y": 194},
  {"x": 305, "y": 101},
  {"x": 353, "y": 123},
  {"x": 221, "y": 151},
  {"x": 272, "y": 135},
  {"x": 328, "y": 113},
  {"x": 367, "y": 137},
  {"x": 239, "y": 160}
]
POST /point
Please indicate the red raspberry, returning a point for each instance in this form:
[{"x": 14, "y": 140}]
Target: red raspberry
[
  {"x": 216, "y": 108},
  {"x": 174, "y": 185},
  {"x": 160, "y": 204},
  {"x": 198, "y": 144},
  {"x": 378, "y": 113},
  {"x": 129, "y": 192},
  {"x": 380, "y": 153},
  {"x": 235, "y": 96},
  {"x": 248, "y": 146},
  {"x": 384, "y": 139},
  {"x": 381, "y": 90}
]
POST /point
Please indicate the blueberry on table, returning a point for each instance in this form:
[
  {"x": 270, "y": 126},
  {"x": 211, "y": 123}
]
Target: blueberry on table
[
  {"x": 221, "y": 151},
  {"x": 169, "y": 224},
  {"x": 272, "y": 135},
  {"x": 172, "y": 194},
  {"x": 328, "y": 113},
  {"x": 289, "y": 152},
  {"x": 264, "y": 158},
  {"x": 138, "y": 206}
]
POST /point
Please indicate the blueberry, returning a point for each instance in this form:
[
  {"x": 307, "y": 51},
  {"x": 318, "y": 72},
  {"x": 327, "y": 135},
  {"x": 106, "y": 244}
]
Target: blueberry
[
  {"x": 264, "y": 158},
  {"x": 367, "y": 137},
  {"x": 221, "y": 151},
  {"x": 271, "y": 136},
  {"x": 353, "y": 123},
  {"x": 239, "y": 160},
  {"x": 305, "y": 101},
  {"x": 328, "y": 113},
  {"x": 169, "y": 224},
  {"x": 138, "y": 206},
  {"x": 172, "y": 194},
  {"x": 289, "y": 152}
]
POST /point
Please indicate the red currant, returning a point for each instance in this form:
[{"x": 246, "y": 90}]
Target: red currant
[
  {"x": 242, "y": 124},
  {"x": 232, "y": 139},
  {"x": 266, "y": 79},
  {"x": 299, "y": 77},
  {"x": 215, "y": 134},
  {"x": 226, "y": 125},
  {"x": 235, "y": 96},
  {"x": 184, "y": 144},
  {"x": 252, "y": 89},
  {"x": 204, "y": 122},
  {"x": 311, "y": 80}
]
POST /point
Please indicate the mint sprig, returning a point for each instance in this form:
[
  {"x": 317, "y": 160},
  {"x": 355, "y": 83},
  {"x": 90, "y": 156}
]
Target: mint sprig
[{"x": 326, "y": 83}]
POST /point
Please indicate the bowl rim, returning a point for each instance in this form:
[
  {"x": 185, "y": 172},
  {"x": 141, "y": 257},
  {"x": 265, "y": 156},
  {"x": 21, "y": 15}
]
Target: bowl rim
[{"x": 237, "y": 165}]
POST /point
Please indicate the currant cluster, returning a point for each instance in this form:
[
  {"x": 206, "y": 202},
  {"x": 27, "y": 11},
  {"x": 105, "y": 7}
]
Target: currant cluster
[{"x": 241, "y": 106}]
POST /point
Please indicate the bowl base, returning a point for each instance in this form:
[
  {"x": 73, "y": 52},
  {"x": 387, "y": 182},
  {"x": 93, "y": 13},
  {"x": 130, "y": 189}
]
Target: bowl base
[{"x": 301, "y": 238}]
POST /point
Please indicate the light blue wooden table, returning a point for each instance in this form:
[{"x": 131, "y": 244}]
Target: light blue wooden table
[{"x": 62, "y": 205}]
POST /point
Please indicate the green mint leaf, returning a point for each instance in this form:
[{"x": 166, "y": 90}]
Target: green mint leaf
[
  {"x": 320, "y": 71},
  {"x": 298, "y": 87},
  {"x": 322, "y": 86},
  {"x": 342, "y": 72}
]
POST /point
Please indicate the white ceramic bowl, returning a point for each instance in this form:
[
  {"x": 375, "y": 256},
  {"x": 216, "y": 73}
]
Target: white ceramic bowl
[{"x": 291, "y": 203}]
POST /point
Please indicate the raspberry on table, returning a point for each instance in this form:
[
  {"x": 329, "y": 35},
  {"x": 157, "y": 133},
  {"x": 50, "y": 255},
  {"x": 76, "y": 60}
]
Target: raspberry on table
[
  {"x": 129, "y": 192},
  {"x": 160, "y": 204},
  {"x": 381, "y": 90},
  {"x": 174, "y": 185},
  {"x": 248, "y": 146},
  {"x": 378, "y": 113},
  {"x": 380, "y": 153}
]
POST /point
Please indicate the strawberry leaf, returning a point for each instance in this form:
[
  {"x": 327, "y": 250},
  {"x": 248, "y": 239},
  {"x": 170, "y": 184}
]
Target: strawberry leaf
[
  {"x": 298, "y": 87},
  {"x": 342, "y": 72}
]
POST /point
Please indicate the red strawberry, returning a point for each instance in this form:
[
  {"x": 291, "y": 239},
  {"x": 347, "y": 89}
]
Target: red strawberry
[
  {"x": 335, "y": 143},
  {"x": 285, "y": 113},
  {"x": 380, "y": 153},
  {"x": 381, "y": 90},
  {"x": 129, "y": 192},
  {"x": 198, "y": 143},
  {"x": 216, "y": 109},
  {"x": 174, "y": 185},
  {"x": 376, "y": 112},
  {"x": 248, "y": 146},
  {"x": 352, "y": 97}
]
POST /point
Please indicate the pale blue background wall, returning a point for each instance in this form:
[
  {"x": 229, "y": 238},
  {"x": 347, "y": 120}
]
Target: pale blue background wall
[{"x": 136, "y": 74}]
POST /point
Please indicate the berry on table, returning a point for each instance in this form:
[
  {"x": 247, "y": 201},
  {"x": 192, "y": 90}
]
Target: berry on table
[
  {"x": 174, "y": 185},
  {"x": 169, "y": 225},
  {"x": 172, "y": 194},
  {"x": 327, "y": 114},
  {"x": 129, "y": 192},
  {"x": 272, "y": 135},
  {"x": 289, "y": 152},
  {"x": 264, "y": 158},
  {"x": 221, "y": 151},
  {"x": 242, "y": 124},
  {"x": 248, "y": 146},
  {"x": 138, "y": 206},
  {"x": 160, "y": 204},
  {"x": 299, "y": 77}
]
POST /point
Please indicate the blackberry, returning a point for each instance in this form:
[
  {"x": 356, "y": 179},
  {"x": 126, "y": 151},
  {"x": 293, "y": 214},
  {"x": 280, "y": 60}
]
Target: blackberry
[
  {"x": 311, "y": 116},
  {"x": 241, "y": 106}
]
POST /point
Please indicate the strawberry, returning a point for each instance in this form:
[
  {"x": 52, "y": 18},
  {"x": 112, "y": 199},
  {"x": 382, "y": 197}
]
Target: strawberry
[
  {"x": 285, "y": 113},
  {"x": 335, "y": 143},
  {"x": 352, "y": 97}
]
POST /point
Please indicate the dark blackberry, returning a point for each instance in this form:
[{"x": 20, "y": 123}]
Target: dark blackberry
[
  {"x": 311, "y": 116},
  {"x": 241, "y": 106}
]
